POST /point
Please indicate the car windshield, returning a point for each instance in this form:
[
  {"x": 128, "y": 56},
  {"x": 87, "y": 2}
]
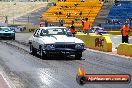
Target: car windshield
[
  {"x": 5, "y": 28},
  {"x": 54, "y": 31}
]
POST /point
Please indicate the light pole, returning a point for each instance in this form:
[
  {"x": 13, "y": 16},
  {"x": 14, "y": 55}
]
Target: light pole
[
  {"x": 6, "y": 19},
  {"x": 13, "y": 12}
]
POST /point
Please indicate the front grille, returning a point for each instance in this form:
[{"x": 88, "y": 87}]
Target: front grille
[
  {"x": 70, "y": 46},
  {"x": 7, "y": 34}
]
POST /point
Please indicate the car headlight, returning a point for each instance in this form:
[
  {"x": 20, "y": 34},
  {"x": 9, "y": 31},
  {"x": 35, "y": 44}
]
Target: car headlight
[
  {"x": 79, "y": 46},
  {"x": 49, "y": 46}
]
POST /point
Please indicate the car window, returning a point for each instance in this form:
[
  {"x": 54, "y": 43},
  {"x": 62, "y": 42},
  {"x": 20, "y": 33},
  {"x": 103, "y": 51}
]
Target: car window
[
  {"x": 36, "y": 32},
  {"x": 54, "y": 31},
  {"x": 44, "y": 32}
]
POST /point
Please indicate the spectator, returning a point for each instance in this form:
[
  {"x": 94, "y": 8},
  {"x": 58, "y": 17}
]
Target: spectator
[
  {"x": 54, "y": 4},
  {"x": 61, "y": 7},
  {"x": 67, "y": 7},
  {"x": 82, "y": 0},
  {"x": 76, "y": 4},
  {"x": 117, "y": 3},
  {"x": 86, "y": 26},
  {"x": 125, "y": 32},
  {"x": 72, "y": 29},
  {"x": 76, "y": 18},
  {"x": 40, "y": 25},
  {"x": 80, "y": 13},
  {"x": 52, "y": 25},
  {"x": 56, "y": 13},
  {"x": 68, "y": 15},
  {"x": 116, "y": 21},
  {"x": 46, "y": 23},
  {"x": 72, "y": 23},
  {"x": 61, "y": 21},
  {"x": 60, "y": 13},
  {"x": 108, "y": 21}
]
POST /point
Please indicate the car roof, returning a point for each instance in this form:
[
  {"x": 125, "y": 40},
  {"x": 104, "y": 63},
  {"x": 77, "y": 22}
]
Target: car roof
[
  {"x": 4, "y": 27},
  {"x": 51, "y": 27}
]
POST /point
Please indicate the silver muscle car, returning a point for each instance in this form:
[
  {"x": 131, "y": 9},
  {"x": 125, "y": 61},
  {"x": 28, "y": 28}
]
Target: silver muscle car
[{"x": 52, "y": 40}]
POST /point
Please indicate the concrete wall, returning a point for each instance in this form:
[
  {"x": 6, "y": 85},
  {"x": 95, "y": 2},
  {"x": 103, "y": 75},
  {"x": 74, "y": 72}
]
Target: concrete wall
[
  {"x": 125, "y": 49},
  {"x": 97, "y": 42}
]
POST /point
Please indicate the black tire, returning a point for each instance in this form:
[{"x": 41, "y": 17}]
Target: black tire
[
  {"x": 42, "y": 54},
  {"x": 33, "y": 51},
  {"x": 13, "y": 38},
  {"x": 78, "y": 56}
]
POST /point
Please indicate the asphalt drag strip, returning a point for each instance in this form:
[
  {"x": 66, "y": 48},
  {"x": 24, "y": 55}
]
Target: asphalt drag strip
[{"x": 32, "y": 72}]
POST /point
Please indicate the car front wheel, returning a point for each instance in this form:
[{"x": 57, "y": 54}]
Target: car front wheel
[
  {"x": 78, "y": 56},
  {"x": 42, "y": 54},
  {"x": 13, "y": 38},
  {"x": 33, "y": 51}
]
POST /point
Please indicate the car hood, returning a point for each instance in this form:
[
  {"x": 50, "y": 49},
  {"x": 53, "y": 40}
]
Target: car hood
[
  {"x": 60, "y": 39},
  {"x": 6, "y": 31}
]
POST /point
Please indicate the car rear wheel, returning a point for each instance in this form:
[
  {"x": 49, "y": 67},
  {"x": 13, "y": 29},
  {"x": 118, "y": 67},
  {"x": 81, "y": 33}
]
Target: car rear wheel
[
  {"x": 78, "y": 56},
  {"x": 33, "y": 51}
]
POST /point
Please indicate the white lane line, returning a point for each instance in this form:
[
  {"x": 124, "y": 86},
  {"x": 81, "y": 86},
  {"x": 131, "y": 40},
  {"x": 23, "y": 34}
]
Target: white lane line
[
  {"x": 7, "y": 80},
  {"x": 116, "y": 37},
  {"x": 109, "y": 53}
]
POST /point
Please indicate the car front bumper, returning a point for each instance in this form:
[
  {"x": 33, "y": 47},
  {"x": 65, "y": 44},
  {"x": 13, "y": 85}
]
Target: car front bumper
[
  {"x": 7, "y": 35},
  {"x": 64, "y": 51}
]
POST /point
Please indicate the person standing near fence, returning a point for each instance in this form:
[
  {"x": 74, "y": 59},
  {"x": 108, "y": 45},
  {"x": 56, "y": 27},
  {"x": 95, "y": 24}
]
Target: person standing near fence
[
  {"x": 46, "y": 23},
  {"x": 125, "y": 32},
  {"x": 86, "y": 26},
  {"x": 61, "y": 22},
  {"x": 72, "y": 28}
]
